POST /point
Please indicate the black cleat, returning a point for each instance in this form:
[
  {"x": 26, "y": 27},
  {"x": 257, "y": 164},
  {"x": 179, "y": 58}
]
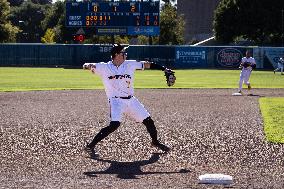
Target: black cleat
[
  {"x": 91, "y": 152},
  {"x": 249, "y": 87},
  {"x": 241, "y": 92},
  {"x": 161, "y": 146}
]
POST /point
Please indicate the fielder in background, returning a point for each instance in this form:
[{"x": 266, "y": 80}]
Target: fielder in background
[
  {"x": 280, "y": 65},
  {"x": 118, "y": 79},
  {"x": 247, "y": 65}
]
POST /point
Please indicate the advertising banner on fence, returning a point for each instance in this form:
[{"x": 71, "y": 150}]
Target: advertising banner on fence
[
  {"x": 228, "y": 57},
  {"x": 273, "y": 55},
  {"x": 191, "y": 57}
]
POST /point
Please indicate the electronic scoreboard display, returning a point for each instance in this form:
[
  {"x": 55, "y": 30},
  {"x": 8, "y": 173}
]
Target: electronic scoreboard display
[{"x": 115, "y": 17}]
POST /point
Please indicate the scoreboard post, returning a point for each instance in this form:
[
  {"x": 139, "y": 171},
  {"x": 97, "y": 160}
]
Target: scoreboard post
[{"x": 115, "y": 17}]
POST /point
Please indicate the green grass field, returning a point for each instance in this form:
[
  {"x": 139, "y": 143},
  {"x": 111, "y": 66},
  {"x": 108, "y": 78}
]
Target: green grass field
[
  {"x": 272, "y": 110},
  {"x": 25, "y": 79}
]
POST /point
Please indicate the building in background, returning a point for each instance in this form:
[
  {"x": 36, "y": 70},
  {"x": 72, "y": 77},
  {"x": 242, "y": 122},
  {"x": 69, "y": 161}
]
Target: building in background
[{"x": 198, "y": 15}]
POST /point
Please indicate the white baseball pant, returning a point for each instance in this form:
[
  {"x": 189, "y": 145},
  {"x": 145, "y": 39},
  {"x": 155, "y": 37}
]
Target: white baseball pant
[{"x": 244, "y": 78}]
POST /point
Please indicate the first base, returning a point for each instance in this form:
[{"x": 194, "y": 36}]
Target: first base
[
  {"x": 237, "y": 94},
  {"x": 215, "y": 179}
]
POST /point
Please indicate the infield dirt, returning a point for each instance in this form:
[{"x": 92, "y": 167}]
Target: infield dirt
[{"x": 209, "y": 130}]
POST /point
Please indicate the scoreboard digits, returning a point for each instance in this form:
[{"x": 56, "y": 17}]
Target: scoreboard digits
[{"x": 132, "y": 18}]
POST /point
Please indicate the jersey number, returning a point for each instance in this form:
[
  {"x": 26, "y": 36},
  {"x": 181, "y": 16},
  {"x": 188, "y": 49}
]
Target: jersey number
[{"x": 128, "y": 84}]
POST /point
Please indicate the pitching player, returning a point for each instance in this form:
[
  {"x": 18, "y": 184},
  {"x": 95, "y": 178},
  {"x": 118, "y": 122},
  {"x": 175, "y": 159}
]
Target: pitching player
[
  {"x": 247, "y": 64},
  {"x": 118, "y": 78},
  {"x": 280, "y": 66}
]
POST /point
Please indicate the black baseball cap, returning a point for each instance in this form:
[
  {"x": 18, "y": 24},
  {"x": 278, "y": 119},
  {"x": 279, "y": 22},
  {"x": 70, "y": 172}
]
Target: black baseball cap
[{"x": 117, "y": 48}]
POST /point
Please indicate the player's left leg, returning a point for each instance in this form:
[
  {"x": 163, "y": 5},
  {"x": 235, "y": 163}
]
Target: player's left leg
[
  {"x": 151, "y": 128},
  {"x": 140, "y": 114}
]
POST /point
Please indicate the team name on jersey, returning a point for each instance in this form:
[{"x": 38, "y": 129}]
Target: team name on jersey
[{"x": 120, "y": 76}]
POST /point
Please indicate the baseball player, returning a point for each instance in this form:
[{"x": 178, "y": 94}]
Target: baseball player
[
  {"x": 118, "y": 78},
  {"x": 247, "y": 64},
  {"x": 280, "y": 65}
]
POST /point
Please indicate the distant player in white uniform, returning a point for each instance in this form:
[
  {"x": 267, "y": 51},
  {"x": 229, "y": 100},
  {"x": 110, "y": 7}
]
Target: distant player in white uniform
[
  {"x": 280, "y": 65},
  {"x": 118, "y": 79},
  {"x": 247, "y": 65}
]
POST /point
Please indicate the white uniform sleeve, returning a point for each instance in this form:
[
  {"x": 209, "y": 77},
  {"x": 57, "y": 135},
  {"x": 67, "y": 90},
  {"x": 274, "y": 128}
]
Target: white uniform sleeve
[
  {"x": 99, "y": 70},
  {"x": 136, "y": 65},
  {"x": 253, "y": 61}
]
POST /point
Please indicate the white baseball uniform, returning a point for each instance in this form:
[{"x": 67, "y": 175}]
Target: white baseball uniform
[
  {"x": 245, "y": 73},
  {"x": 280, "y": 65},
  {"x": 119, "y": 88}
]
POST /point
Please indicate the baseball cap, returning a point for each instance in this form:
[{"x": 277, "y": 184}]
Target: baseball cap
[{"x": 117, "y": 48}]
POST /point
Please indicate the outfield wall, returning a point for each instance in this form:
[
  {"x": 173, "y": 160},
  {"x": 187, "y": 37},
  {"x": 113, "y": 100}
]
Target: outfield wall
[{"x": 176, "y": 57}]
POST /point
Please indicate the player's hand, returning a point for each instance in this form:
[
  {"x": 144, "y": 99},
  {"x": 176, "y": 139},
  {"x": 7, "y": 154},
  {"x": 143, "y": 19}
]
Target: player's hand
[{"x": 88, "y": 66}]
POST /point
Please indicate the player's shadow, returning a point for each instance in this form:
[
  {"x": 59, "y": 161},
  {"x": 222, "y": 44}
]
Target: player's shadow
[{"x": 130, "y": 170}]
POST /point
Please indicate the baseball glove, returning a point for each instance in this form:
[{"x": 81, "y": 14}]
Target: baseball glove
[
  {"x": 170, "y": 77},
  {"x": 246, "y": 64}
]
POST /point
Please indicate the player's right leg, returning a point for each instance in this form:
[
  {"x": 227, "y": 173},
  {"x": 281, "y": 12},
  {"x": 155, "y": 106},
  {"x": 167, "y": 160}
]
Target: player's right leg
[
  {"x": 116, "y": 111},
  {"x": 241, "y": 81},
  {"x": 241, "y": 84},
  {"x": 104, "y": 132}
]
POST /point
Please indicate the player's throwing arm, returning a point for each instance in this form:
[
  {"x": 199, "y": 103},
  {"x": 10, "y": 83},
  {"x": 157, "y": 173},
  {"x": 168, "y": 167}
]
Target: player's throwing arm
[{"x": 169, "y": 74}]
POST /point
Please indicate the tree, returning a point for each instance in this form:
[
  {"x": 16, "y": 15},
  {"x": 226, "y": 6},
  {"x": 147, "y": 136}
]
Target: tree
[
  {"x": 48, "y": 36},
  {"x": 55, "y": 19},
  {"x": 42, "y": 2},
  {"x": 53, "y": 15},
  {"x": 171, "y": 26},
  {"x": 7, "y": 30},
  {"x": 255, "y": 20},
  {"x": 28, "y": 16},
  {"x": 169, "y": 1},
  {"x": 15, "y": 2}
]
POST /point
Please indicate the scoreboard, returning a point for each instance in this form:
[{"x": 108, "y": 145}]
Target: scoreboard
[{"x": 115, "y": 17}]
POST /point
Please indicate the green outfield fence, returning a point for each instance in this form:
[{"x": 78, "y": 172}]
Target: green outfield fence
[{"x": 177, "y": 57}]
